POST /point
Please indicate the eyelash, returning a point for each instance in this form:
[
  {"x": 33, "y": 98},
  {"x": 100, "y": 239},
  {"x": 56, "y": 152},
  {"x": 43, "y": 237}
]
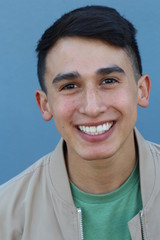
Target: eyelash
[
  {"x": 110, "y": 81},
  {"x": 69, "y": 86}
]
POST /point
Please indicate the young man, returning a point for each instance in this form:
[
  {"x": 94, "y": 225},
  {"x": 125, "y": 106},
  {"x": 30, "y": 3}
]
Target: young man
[{"x": 103, "y": 179}]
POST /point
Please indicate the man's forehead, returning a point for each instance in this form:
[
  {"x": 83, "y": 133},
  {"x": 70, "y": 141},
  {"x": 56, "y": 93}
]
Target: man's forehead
[
  {"x": 73, "y": 54},
  {"x": 70, "y": 46},
  {"x": 69, "y": 42}
]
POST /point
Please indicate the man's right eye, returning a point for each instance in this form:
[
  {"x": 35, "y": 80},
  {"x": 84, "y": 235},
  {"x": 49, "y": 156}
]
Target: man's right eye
[{"x": 69, "y": 86}]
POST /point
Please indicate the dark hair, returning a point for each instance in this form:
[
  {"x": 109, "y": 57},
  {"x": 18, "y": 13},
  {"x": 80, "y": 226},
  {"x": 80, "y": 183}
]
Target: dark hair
[{"x": 96, "y": 22}]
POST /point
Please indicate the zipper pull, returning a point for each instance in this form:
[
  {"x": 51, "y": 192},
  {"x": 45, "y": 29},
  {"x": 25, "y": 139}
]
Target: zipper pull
[
  {"x": 80, "y": 222},
  {"x": 142, "y": 224}
]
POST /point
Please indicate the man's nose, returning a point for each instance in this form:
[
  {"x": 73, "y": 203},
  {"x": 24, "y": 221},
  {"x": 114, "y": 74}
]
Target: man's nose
[{"x": 93, "y": 103}]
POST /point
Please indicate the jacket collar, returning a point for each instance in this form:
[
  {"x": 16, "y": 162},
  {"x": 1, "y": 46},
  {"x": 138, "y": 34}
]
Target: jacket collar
[
  {"x": 146, "y": 166},
  {"x": 58, "y": 174}
]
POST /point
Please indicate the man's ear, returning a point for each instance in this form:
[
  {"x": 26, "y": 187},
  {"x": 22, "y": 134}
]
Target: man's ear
[
  {"x": 43, "y": 105},
  {"x": 144, "y": 87}
]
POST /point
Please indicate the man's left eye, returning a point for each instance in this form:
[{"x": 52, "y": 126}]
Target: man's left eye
[{"x": 109, "y": 81}]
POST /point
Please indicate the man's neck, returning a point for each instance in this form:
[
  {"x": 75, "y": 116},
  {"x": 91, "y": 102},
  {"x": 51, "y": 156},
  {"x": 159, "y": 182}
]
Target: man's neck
[{"x": 102, "y": 175}]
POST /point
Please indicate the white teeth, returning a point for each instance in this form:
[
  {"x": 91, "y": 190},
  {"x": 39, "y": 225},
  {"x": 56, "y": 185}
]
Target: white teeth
[
  {"x": 105, "y": 127},
  {"x": 99, "y": 128},
  {"x": 95, "y": 130},
  {"x": 87, "y": 129},
  {"x": 92, "y": 129}
]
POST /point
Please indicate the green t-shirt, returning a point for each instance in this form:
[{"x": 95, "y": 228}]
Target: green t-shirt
[{"x": 106, "y": 216}]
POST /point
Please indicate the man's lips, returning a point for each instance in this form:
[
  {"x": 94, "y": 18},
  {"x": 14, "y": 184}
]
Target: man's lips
[{"x": 96, "y": 129}]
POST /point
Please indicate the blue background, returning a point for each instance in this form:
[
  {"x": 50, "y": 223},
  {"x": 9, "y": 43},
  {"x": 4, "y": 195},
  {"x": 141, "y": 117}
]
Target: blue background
[{"x": 24, "y": 136}]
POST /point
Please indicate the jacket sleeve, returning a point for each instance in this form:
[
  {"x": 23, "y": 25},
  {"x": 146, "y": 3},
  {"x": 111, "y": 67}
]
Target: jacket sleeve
[{"x": 12, "y": 195}]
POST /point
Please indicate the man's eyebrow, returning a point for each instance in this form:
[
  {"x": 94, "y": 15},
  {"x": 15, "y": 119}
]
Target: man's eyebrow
[
  {"x": 74, "y": 75},
  {"x": 65, "y": 76},
  {"x": 108, "y": 70}
]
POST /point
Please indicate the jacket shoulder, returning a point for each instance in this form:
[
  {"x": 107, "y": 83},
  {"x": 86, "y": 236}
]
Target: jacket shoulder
[
  {"x": 16, "y": 193},
  {"x": 26, "y": 175},
  {"x": 155, "y": 149}
]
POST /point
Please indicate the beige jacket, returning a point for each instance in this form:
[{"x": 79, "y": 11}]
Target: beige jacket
[{"x": 38, "y": 205}]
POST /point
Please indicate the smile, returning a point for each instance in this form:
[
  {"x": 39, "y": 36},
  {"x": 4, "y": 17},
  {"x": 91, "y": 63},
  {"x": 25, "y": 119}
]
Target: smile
[{"x": 96, "y": 130}]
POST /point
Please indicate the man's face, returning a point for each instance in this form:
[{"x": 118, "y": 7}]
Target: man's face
[{"x": 92, "y": 96}]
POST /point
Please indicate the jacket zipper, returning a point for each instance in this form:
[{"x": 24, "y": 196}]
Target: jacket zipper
[
  {"x": 142, "y": 224},
  {"x": 80, "y": 222}
]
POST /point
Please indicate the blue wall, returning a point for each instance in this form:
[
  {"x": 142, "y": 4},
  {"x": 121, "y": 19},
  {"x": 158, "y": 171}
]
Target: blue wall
[{"x": 24, "y": 136}]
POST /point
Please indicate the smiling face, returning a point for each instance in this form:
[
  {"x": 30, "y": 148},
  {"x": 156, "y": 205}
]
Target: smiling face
[{"x": 92, "y": 95}]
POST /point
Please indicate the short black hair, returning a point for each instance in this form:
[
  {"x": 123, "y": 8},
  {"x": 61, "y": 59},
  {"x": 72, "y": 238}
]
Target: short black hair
[{"x": 95, "y": 22}]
